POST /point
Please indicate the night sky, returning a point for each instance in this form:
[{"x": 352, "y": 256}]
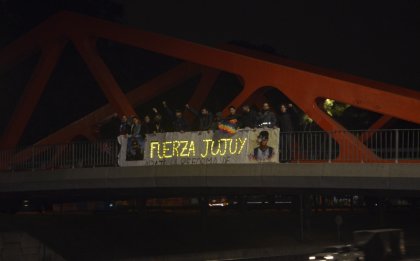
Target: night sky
[{"x": 372, "y": 39}]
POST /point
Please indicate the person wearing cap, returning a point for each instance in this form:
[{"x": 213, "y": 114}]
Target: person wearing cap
[{"x": 263, "y": 152}]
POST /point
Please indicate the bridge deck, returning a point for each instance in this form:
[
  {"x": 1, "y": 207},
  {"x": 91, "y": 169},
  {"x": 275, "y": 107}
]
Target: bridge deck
[{"x": 380, "y": 176}]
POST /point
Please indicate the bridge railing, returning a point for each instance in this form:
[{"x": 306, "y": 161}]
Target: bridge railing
[
  {"x": 363, "y": 146},
  {"x": 61, "y": 156},
  {"x": 311, "y": 146}
]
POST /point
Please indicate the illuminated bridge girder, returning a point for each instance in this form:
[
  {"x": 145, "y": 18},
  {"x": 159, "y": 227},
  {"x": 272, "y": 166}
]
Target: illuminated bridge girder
[{"x": 302, "y": 84}]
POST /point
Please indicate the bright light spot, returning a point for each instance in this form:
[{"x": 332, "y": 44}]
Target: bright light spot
[
  {"x": 311, "y": 258},
  {"x": 329, "y": 257},
  {"x": 218, "y": 204}
]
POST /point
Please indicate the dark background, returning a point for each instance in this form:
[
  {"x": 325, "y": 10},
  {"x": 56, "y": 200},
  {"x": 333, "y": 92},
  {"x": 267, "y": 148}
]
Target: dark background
[{"x": 376, "y": 40}]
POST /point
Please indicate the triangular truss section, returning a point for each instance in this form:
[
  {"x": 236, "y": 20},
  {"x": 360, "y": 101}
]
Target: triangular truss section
[{"x": 303, "y": 84}]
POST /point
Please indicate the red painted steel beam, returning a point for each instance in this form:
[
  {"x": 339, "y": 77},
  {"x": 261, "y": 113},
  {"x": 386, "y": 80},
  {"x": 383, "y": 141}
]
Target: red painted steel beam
[
  {"x": 103, "y": 76},
  {"x": 295, "y": 81},
  {"x": 32, "y": 93},
  {"x": 377, "y": 125},
  {"x": 141, "y": 94},
  {"x": 303, "y": 84},
  {"x": 207, "y": 80},
  {"x": 30, "y": 43}
]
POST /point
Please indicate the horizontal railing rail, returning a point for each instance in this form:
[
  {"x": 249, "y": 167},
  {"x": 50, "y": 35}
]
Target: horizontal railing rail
[
  {"x": 61, "y": 156},
  {"x": 385, "y": 145},
  {"x": 398, "y": 145}
]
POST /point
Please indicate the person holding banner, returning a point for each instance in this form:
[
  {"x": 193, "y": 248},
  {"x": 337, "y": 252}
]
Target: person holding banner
[{"x": 231, "y": 123}]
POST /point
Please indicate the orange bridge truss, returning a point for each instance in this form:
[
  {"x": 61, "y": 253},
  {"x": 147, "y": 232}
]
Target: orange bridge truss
[{"x": 304, "y": 85}]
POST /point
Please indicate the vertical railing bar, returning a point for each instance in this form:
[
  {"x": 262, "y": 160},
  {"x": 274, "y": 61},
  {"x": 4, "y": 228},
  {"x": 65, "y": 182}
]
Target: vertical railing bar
[
  {"x": 396, "y": 145},
  {"x": 308, "y": 146},
  {"x": 329, "y": 146},
  {"x": 418, "y": 145},
  {"x": 73, "y": 153},
  {"x": 412, "y": 145},
  {"x": 33, "y": 158}
]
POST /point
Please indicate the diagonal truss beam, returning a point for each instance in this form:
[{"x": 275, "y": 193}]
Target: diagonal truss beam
[
  {"x": 103, "y": 76},
  {"x": 32, "y": 93},
  {"x": 301, "y": 83}
]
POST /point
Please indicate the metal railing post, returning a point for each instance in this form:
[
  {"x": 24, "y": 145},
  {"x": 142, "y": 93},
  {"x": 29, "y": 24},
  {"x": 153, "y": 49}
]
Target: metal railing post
[
  {"x": 396, "y": 145},
  {"x": 72, "y": 155},
  {"x": 329, "y": 147},
  {"x": 33, "y": 158},
  {"x": 117, "y": 154}
]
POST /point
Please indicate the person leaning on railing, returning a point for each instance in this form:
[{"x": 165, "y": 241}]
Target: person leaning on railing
[
  {"x": 135, "y": 143},
  {"x": 266, "y": 117},
  {"x": 124, "y": 126},
  {"x": 249, "y": 117},
  {"x": 286, "y": 125},
  {"x": 217, "y": 119},
  {"x": 147, "y": 125}
]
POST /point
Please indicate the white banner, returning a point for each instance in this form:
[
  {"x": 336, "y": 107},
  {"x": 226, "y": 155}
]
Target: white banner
[{"x": 175, "y": 148}]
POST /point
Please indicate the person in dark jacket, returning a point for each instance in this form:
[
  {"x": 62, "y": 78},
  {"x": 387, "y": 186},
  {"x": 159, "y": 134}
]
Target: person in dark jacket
[
  {"x": 147, "y": 125},
  {"x": 217, "y": 119},
  {"x": 285, "y": 119},
  {"x": 124, "y": 126},
  {"x": 267, "y": 118},
  {"x": 249, "y": 117},
  {"x": 135, "y": 142},
  {"x": 233, "y": 119},
  {"x": 156, "y": 126},
  {"x": 232, "y": 114},
  {"x": 286, "y": 128},
  {"x": 179, "y": 124},
  {"x": 205, "y": 118}
]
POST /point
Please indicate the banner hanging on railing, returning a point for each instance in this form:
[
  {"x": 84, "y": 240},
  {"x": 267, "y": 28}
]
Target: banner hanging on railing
[{"x": 176, "y": 148}]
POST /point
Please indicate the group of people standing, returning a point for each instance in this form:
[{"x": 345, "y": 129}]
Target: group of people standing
[
  {"x": 286, "y": 120},
  {"x": 136, "y": 129}
]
